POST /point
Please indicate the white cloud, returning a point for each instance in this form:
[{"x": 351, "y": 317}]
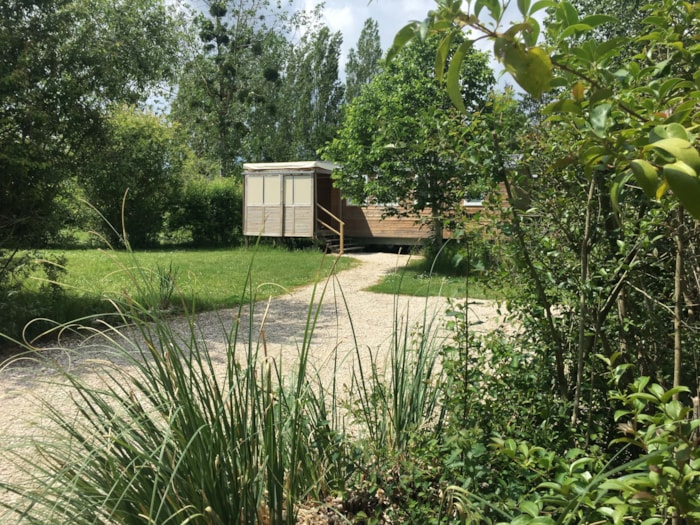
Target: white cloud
[
  {"x": 348, "y": 17},
  {"x": 343, "y": 19}
]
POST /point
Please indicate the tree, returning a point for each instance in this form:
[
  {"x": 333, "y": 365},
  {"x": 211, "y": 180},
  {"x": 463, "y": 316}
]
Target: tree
[
  {"x": 607, "y": 254},
  {"x": 139, "y": 167},
  {"x": 314, "y": 92},
  {"x": 364, "y": 63},
  {"x": 631, "y": 12},
  {"x": 402, "y": 142},
  {"x": 228, "y": 77},
  {"x": 301, "y": 112},
  {"x": 624, "y": 103},
  {"x": 210, "y": 211},
  {"x": 61, "y": 63},
  {"x": 629, "y": 126},
  {"x": 620, "y": 147},
  {"x": 267, "y": 137}
]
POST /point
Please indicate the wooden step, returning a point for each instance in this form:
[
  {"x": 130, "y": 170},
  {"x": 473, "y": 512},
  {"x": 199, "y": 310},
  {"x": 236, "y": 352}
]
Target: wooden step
[{"x": 331, "y": 242}]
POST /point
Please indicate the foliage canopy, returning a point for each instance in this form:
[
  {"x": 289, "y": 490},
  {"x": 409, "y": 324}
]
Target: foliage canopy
[{"x": 400, "y": 142}]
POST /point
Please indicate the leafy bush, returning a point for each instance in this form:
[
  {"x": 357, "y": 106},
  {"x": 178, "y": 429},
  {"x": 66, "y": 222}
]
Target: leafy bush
[
  {"x": 133, "y": 181},
  {"x": 471, "y": 253},
  {"x": 19, "y": 303},
  {"x": 658, "y": 483},
  {"x": 211, "y": 210}
]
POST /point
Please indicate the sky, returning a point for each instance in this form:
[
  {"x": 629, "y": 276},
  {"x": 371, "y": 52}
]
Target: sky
[{"x": 348, "y": 17}]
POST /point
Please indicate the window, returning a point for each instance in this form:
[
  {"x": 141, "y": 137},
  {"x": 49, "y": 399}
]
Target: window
[
  {"x": 298, "y": 190},
  {"x": 263, "y": 190}
]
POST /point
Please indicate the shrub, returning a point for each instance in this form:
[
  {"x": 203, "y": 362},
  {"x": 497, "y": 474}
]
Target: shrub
[
  {"x": 459, "y": 257},
  {"x": 20, "y": 303},
  {"x": 139, "y": 167},
  {"x": 211, "y": 210}
]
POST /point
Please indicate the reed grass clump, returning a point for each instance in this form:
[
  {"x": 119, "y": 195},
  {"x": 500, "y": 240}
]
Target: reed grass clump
[
  {"x": 174, "y": 431},
  {"x": 169, "y": 436}
]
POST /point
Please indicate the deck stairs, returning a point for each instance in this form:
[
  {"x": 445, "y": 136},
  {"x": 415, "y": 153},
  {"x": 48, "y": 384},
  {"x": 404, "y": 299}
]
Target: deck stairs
[{"x": 330, "y": 241}]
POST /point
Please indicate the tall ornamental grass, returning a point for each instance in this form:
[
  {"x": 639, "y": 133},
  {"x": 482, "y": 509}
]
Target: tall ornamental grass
[
  {"x": 164, "y": 439},
  {"x": 397, "y": 398}
]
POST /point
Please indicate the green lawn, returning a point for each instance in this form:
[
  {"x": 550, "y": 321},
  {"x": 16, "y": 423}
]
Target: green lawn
[
  {"x": 213, "y": 279},
  {"x": 204, "y": 279},
  {"x": 414, "y": 280}
]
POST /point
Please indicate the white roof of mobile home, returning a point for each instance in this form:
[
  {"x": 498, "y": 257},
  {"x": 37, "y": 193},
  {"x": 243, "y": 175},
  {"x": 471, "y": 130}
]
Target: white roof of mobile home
[{"x": 280, "y": 166}]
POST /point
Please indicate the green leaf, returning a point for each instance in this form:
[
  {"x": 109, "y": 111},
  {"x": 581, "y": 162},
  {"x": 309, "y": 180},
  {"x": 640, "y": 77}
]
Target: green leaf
[
  {"x": 680, "y": 149},
  {"x": 524, "y": 7},
  {"x": 599, "y": 119},
  {"x": 405, "y": 35},
  {"x": 609, "y": 48},
  {"x": 531, "y": 35},
  {"x": 441, "y": 56},
  {"x": 646, "y": 176},
  {"x": 563, "y": 106},
  {"x": 515, "y": 29},
  {"x": 621, "y": 413},
  {"x": 593, "y": 155},
  {"x": 531, "y": 68},
  {"x": 683, "y": 111},
  {"x": 668, "y": 85},
  {"x": 600, "y": 94},
  {"x": 556, "y": 487},
  {"x": 616, "y": 191},
  {"x": 619, "y": 514},
  {"x": 668, "y": 394},
  {"x": 657, "y": 390},
  {"x": 673, "y": 130},
  {"x": 542, "y": 4},
  {"x": 423, "y": 28},
  {"x": 568, "y": 12},
  {"x": 441, "y": 25},
  {"x": 454, "y": 73},
  {"x": 529, "y": 507},
  {"x": 643, "y": 396},
  {"x": 675, "y": 410},
  {"x": 596, "y": 20},
  {"x": 685, "y": 185},
  {"x": 575, "y": 28},
  {"x": 494, "y": 7}
]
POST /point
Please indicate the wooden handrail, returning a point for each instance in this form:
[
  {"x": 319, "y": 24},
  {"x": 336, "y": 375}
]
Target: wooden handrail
[{"x": 339, "y": 232}]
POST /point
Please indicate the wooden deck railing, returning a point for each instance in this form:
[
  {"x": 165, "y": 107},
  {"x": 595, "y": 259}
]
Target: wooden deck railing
[{"x": 340, "y": 231}]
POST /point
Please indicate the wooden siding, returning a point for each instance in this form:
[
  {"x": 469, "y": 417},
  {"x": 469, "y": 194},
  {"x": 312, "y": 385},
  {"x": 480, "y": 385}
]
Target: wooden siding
[
  {"x": 279, "y": 204},
  {"x": 263, "y": 220},
  {"x": 366, "y": 222},
  {"x": 298, "y": 221},
  {"x": 276, "y": 184}
]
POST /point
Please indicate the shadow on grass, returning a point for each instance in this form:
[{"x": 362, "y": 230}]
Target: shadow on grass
[{"x": 415, "y": 280}]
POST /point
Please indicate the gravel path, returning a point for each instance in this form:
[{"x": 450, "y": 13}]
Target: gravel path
[{"x": 349, "y": 318}]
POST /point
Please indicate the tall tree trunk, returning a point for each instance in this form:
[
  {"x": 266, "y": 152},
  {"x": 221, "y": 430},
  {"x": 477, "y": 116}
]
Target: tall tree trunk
[
  {"x": 436, "y": 227},
  {"x": 583, "y": 305},
  {"x": 678, "y": 303}
]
